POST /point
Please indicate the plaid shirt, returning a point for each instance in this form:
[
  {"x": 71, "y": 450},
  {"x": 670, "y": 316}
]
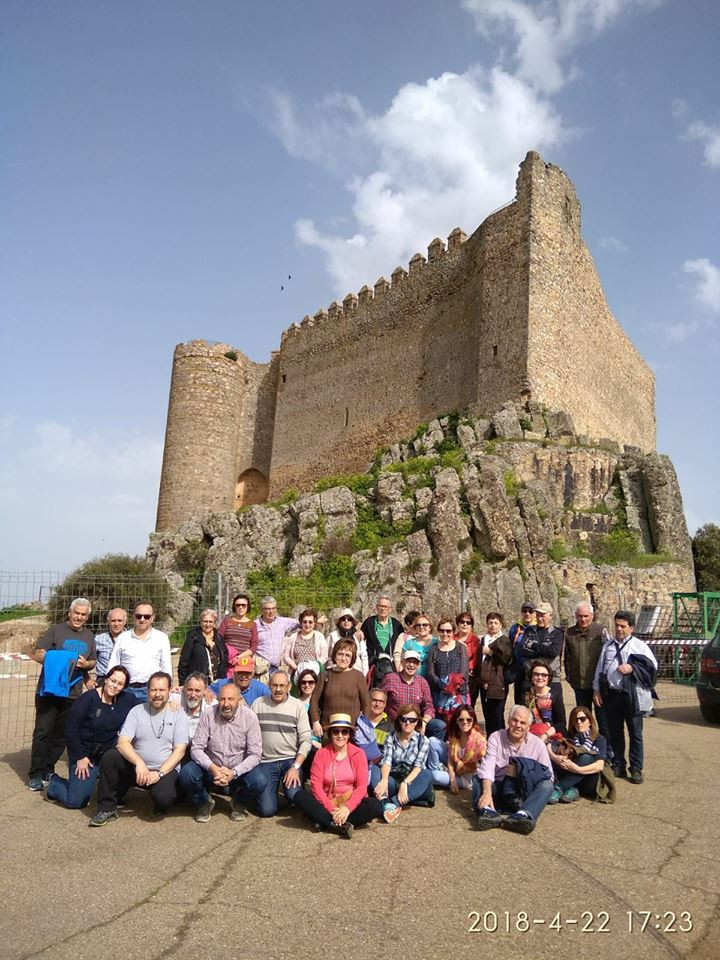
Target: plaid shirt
[
  {"x": 414, "y": 753},
  {"x": 399, "y": 692}
]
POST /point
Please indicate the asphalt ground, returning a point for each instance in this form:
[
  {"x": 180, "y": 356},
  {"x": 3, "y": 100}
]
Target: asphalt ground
[{"x": 430, "y": 887}]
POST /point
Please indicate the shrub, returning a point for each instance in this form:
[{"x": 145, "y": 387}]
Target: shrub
[
  {"x": 192, "y": 557},
  {"x": 330, "y": 583},
  {"x": 512, "y": 484},
  {"x": 231, "y": 354},
  {"x": 558, "y": 551},
  {"x": 361, "y": 484},
  {"x": 473, "y": 564},
  {"x": 114, "y": 580}
]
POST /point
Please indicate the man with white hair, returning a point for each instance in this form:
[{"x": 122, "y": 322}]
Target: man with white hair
[
  {"x": 67, "y": 654},
  {"x": 105, "y": 642},
  {"x": 515, "y": 776},
  {"x": 271, "y": 631},
  {"x": 583, "y": 643}
]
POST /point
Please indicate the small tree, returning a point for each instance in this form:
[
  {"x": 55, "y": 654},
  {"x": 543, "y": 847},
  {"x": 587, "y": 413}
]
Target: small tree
[
  {"x": 115, "y": 580},
  {"x": 706, "y": 553}
]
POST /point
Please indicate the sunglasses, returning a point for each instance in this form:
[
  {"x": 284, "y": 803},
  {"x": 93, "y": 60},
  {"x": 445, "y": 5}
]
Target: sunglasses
[
  {"x": 445, "y": 631},
  {"x": 307, "y": 683},
  {"x": 582, "y": 719},
  {"x": 422, "y": 625},
  {"x": 143, "y": 616},
  {"x": 409, "y": 720},
  {"x": 339, "y": 732},
  {"x": 540, "y": 676},
  {"x": 464, "y": 719},
  {"x": 343, "y": 619},
  {"x": 240, "y": 603},
  {"x": 465, "y": 623},
  {"x": 309, "y": 620}
]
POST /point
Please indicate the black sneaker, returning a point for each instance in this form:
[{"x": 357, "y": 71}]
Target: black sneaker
[
  {"x": 519, "y": 822},
  {"x": 620, "y": 772},
  {"x": 635, "y": 776},
  {"x": 102, "y": 817},
  {"x": 487, "y": 818}
]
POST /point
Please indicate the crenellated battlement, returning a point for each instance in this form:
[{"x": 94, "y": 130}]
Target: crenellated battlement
[
  {"x": 509, "y": 313},
  {"x": 356, "y": 305}
]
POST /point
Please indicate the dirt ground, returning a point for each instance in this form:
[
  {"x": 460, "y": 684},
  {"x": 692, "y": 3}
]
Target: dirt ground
[{"x": 428, "y": 888}]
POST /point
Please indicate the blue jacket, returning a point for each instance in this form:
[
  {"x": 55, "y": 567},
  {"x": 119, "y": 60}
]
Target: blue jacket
[
  {"x": 58, "y": 666},
  {"x": 530, "y": 773},
  {"x": 255, "y": 690}
]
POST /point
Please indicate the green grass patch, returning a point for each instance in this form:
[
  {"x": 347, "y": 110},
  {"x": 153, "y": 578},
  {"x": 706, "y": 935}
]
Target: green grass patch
[
  {"x": 330, "y": 583},
  {"x": 18, "y": 612},
  {"x": 474, "y": 562},
  {"x": 513, "y": 486},
  {"x": 360, "y": 484},
  {"x": 558, "y": 550}
]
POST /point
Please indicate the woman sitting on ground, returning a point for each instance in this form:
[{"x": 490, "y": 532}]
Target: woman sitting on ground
[
  {"x": 238, "y": 630},
  {"x": 337, "y": 799},
  {"x": 204, "y": 651},
  {"x": 347, "y": 627},
  {"x": 339, "y": 690},
  {"x": 92, "y": 728},
  {"x": 580, "y": 772},
  {"x": 546, "y": 703},
  {"x": 403, "y": 778},
  {"x": 306, "y": 647},
  {"x": 453, "y": 762}
]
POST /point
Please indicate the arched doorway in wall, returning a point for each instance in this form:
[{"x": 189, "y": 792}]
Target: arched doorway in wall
[{"x": 251, "y": 487}]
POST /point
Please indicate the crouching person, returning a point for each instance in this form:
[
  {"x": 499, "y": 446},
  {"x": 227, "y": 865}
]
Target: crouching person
[
  {"x": 150, "y": 747},
  {"x": 226, "y": 751},
  {"x": 514, "y": 777}
]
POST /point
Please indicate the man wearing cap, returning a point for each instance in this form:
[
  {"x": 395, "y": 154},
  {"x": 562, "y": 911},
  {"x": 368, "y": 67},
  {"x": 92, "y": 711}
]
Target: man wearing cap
[
  {"x": 381, "y": 631},
  {"x": 243, "y": 677},
  {"x": 516, "y": 633},
  {"x": 544, "y": 642},
  {"x": 338, "y": 797},
  {"x": 515, "y": 776},
  {"x": 225, "y": 757},
  {"x": 409, "y": 687},
  {"x": 286, "y": 742}
]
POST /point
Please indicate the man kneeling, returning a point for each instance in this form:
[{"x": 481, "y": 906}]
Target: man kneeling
[
  {"x": 515, "y": 776},
  {"x": 150, "y": 746},
  {"x": 226, "y": 751}
]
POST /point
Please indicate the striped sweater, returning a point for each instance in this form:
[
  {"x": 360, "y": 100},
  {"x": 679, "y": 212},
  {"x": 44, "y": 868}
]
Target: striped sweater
[{"x": 284, "y": 726}]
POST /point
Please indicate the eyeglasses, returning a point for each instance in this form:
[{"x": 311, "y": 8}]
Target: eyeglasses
[
  {"x": 443, "y": 630},
  {"x": 339, "y": 732},
  {"x": 308, "y": 620},
  {"x": 464, "y": 719},
  {"x": 408, "y": 720},
  {"x": 143, "y": 616},
  {"x": 540, "y": 676}
]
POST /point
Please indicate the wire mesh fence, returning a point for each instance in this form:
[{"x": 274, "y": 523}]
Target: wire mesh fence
[{"x": 30, "y": 601}]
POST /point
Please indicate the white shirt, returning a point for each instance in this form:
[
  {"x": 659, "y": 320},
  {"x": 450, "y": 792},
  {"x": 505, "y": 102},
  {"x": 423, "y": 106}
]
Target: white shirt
[{"x": 142, "y": 656}]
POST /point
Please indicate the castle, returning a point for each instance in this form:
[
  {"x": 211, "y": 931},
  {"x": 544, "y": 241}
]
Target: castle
[{"x": 515, "y": 311}]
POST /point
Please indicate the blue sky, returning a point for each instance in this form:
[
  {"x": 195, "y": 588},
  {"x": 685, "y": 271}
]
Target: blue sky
[{"x": 164, "y": 166}]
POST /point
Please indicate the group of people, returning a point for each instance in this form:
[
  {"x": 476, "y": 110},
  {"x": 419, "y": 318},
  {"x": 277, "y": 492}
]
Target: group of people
[{"x": 353, "y": 725}]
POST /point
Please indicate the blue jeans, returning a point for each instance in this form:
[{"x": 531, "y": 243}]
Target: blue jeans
[
  {"x": 267, "y": 798},
  {"x": 73, "y": 792},
  {"x": 436, "y": 728},
  {"x": 417, "y": 790},
  {"x": 507, "y": 796},
  {"x": 620, "y": 713},
  {"x": 196, "y": 783},
  {"x": 587, "y": 782},
  {"x": 140, "y": 693}
]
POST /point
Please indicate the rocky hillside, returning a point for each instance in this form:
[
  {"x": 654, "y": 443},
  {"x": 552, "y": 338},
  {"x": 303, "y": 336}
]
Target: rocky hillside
[{"x": 517, "y": 506}]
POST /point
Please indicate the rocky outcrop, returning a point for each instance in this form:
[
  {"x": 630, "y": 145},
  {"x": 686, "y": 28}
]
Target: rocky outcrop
[{"x": 495, "y": 510}]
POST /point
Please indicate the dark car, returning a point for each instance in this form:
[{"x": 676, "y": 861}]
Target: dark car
[{"x": 708, "y": 683}]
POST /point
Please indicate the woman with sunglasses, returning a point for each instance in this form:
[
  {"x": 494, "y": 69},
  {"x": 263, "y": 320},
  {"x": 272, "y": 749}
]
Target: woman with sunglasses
[
  {"x": 92, "y": 728},
  {"x": 204, "y": 651},
  {"x": 421, "y": 642},
  {"x": 339, "y": 690},
  {"x": 580, "y": 773},
  {"x": 347, "y": 628},
  {"x": 546, "y": 703},
  {"x": 337, "y": 799},
  {"x": 306, "y": 647},
  {"x": 453, "y": 762},
  {"x": 447, "y": 672},
  {"x": 403, "y": 778},
  {"x": 238, "y": 630}
]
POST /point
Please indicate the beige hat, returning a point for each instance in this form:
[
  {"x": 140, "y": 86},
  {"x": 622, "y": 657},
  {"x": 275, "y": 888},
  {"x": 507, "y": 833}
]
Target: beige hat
[
  {"x": 347, "y": 612},
  {"x": 340, "y": 720},
  {"x": 543, "y": 608}
]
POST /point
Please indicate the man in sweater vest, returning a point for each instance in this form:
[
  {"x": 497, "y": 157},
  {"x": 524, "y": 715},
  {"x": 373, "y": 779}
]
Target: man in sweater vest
[{"x": 286, "y": 742}]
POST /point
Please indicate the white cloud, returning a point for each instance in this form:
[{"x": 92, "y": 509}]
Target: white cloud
[
  {"x": 547, "y": 31},
  {"x": 76, "y": 494},
  {"x": 677, "y": 332},
  {"x": 448, "y": 151},
  {"x": 612, "y": 243},
  {"x": 710, "y": 138},
  {"x": 707, "y": 286}
]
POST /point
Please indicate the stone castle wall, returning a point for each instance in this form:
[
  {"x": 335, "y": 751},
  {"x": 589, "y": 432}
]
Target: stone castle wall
[{"x": 514, "y": 310}]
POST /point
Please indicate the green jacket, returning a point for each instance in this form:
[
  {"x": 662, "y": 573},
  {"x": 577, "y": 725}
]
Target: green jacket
[{"x": 582, "y": 652}]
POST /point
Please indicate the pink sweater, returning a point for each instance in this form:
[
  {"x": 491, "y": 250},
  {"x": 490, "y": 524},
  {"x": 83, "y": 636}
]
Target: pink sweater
[{"x": 321, "y": 776}]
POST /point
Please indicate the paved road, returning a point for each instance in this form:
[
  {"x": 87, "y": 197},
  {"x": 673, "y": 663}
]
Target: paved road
[{"x": 273, "y": 889}]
